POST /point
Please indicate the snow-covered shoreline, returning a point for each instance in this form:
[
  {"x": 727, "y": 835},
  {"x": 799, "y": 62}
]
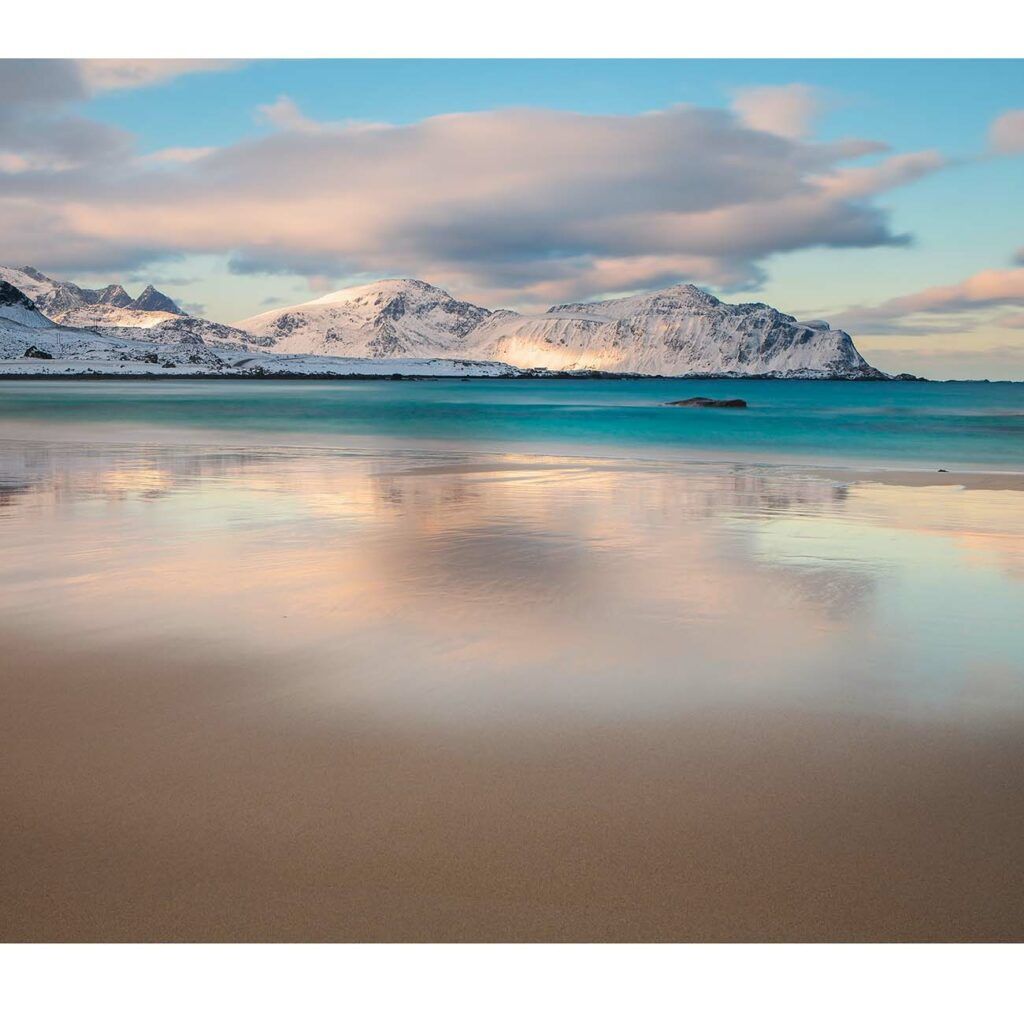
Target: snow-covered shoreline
[{"x": 274, "y": 368}]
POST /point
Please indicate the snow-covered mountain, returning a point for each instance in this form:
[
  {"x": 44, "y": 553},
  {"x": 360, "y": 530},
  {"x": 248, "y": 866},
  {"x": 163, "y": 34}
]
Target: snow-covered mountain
[
  {"x": 152, "y": 317},
  {"x": 32, "y": 344},
  {"x": 152, "y": 300},
  {"x": 390, "y": 318},
  {"x": 675, "y": 331},
  {"x": 63, "y": 299},
  {"x": 679, "y": 330}
]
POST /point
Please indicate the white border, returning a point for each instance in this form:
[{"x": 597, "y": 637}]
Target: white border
[
  {"x": 522, "y": 983},
  {"x": 510, "y": 984},
  {"x": 525, "y": 28}
]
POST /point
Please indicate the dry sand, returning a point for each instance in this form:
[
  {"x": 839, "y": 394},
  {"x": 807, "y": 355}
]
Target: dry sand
[{"x": 149, "y": 796}]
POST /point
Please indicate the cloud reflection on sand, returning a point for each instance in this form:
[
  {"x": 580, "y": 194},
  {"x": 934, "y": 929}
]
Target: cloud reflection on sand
[{"x": 451, "y": 588}]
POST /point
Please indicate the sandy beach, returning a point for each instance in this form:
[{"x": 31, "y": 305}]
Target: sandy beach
[
  {"x": 257, "y": 693},
  {"x": 156, "y": 798}
]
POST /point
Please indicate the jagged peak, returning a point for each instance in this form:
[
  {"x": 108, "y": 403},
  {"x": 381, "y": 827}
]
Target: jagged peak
[
  {"x": 152, "y": 301},
  {"x": 114, "y": 295}
]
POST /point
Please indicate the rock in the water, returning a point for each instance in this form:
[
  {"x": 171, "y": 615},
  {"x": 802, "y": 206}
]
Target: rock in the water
[
  {"x": 36, "y": 353},
  {"x": 710, "y": 403}
]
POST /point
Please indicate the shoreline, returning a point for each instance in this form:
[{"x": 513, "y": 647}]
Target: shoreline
[
  {"x": 138, "y": 434},
  {"x": 588, "y": 375},
  {"x": 561, "y": 375}
]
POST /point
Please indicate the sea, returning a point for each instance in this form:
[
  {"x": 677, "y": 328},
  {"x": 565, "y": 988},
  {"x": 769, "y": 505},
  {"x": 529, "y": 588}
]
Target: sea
[{"x": 927, "y": 425}]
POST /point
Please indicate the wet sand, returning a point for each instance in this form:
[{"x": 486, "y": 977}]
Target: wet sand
[
  {"x": 1008, "y": 481},
  {"x": 152, "y": 797},
  {"x": 256, "y": 694}
]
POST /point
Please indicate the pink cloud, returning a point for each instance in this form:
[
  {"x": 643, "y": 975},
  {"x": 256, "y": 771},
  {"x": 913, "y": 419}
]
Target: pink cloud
[
  {"x": 988, "y": 289},
  {"x": 507, "y": 206},
  {"x": 786, "y": 110},
  {"x": 1006, "y": 134},
  {"x": 109, "y": 75}
]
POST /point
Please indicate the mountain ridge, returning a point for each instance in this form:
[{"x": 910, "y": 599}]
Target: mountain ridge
[
  {"x": 33, "y": 345},
  {"x": 674, "y": 331},
  {"x": 681, "y": 330},
  {"x": 56, "y": 298}
]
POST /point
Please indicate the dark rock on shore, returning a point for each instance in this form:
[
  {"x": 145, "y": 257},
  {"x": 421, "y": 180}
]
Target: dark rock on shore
[
  {"x": 36, "y": 353},
  {"x": 710, "y": 403}
]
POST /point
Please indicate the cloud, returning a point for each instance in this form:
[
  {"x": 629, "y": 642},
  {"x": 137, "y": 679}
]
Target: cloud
[
  {"x": 178, "y": 154},
  {"x": 1006, "y": 133},
  {"x": 163, "y": 282},
  {"x": 39, "y": 82},
  {"x": 786, "y": 110},
  {"x": 507, "y": 206},
  {"x": 108, "y": 75},
  {"x": 937, "y": 310},
  {"x": 284, "y": 114},
  {"x": 862, "y": 182}
]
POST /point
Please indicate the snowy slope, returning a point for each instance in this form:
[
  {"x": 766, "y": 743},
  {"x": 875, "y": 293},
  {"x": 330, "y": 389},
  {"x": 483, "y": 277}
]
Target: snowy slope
[
  {"x": 16, "y": 308},
  {"x": 678, "y": 330},
  {"x": 391, "y": 318},
  {"x": 31, "y": 343},
  {"x": 158, "y": 327},
  {"x": 28, "y": 281},
  {"x": 102, "y": 316}
]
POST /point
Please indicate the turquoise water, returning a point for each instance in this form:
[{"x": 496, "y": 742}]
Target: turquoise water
[{"x": 927, "y": 424}]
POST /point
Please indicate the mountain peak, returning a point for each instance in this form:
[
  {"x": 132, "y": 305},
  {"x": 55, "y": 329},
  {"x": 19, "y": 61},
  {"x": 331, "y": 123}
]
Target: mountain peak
[
  {"x": 381, "y": 292},
  {"x": 152, "y": 301},
  {"x": 400, "y": 316},
  {"x": 686, "y": 291},
  {"x": 114, "y": 295},
  {"x": 687, "y": 296}
]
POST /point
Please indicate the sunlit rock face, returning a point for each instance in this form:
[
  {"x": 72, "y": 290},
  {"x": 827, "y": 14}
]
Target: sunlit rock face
[{"x": 679, "y": 330}]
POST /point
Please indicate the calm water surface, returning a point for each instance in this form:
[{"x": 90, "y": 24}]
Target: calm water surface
[{"x": 926, "y": 424}]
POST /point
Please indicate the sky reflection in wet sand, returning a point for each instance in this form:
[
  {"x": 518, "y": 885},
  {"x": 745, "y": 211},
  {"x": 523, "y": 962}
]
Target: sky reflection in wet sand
[{"x": 448, "y": 588}]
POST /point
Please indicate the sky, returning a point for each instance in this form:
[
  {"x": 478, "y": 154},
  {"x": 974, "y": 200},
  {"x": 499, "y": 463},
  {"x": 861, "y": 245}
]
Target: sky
[{"x": 886, "y": 197}]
